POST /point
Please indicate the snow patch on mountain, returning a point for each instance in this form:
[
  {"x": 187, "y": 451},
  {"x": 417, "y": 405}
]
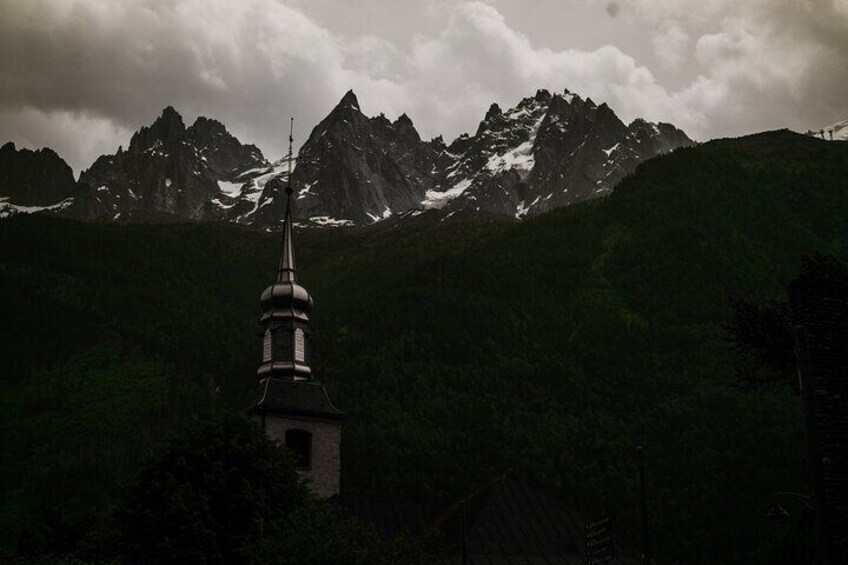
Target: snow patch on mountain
[
  {"x": 522, "y": 209},
  {"x": 305, "y": 191},
  {"x": 230, "y": 189},
  {"x": 245, "y": 175},
  {"x": 434, "y": 199},
  {"x": 387, "y": 213},
  {"x": 328, "y": 221},
  {"x": 8, "y": 209},
  {"x": 252, "y": 190},
  {"x": 217, "y": 202},
  {"x": 609, "y": 150},
  {"x": 518, "y": 158}
]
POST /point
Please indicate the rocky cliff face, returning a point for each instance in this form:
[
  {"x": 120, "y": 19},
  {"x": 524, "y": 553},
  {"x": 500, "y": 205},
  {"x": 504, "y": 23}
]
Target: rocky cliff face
[
  {"x": 548, "y": 151},
  {"x": 32, "y": 180},
  {"x": 361, "y": 170},
  {"x": 168, "y": 169}
]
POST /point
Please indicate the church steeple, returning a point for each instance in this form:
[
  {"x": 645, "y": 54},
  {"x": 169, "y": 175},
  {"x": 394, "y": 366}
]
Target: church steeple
[
  {"x": 286, "y": 305},
  {"x": 292, "y": 407}
]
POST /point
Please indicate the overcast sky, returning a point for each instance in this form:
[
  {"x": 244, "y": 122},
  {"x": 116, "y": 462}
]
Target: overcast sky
[{"x": 81, "y": 75}]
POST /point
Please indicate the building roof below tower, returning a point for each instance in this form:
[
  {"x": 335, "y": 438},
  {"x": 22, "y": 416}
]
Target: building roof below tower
[
  {"x": 506, "y": 521},
  {"x": 296, "y": 399}
]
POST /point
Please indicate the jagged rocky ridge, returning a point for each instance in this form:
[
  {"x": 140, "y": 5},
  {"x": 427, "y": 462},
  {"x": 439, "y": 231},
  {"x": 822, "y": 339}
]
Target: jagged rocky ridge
[
  {"x": 550, "y": 150},
  {"x": 168, "y": 169},
  {"x": 33, "y": 180},
  {"x": 355, "y": 169}
]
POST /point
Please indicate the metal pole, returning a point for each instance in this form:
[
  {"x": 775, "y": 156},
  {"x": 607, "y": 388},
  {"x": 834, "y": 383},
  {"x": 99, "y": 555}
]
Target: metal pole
[
  {"x": 464, "y": 535},
  {"x": 643, "y": 503}
]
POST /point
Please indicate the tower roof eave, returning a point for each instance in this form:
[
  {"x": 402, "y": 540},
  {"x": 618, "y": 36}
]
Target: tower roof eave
[{"x": 304, "y": 399}]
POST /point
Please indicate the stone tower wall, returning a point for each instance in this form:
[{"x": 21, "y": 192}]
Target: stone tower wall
[{"x": 325, "y": 470}]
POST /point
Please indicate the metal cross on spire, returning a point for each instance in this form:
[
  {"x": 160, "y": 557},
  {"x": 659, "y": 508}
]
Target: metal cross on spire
[
  {"x": 290, "y": 157},
  {"x": 285, "y": 272}
]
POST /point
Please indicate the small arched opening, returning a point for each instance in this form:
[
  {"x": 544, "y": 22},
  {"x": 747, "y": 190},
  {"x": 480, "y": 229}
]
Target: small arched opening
[{"x": 299, "y": 442}]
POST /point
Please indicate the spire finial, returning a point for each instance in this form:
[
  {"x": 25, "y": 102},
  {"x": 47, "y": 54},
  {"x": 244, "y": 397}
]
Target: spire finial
[
  {"x": 290, "y": 157},
  {"x": 285, "y": 272}
]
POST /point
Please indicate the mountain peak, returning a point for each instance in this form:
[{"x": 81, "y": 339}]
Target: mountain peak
[
  {"x": 381, "y": 120},
  {"x": 492, "y": 114},
  {"x": 33, "y": 177},
  {"x": 542, "y": 95},
  {"x": 169, "y": 124},
  {"x": 168, "y": 127},
  {"x": 204, "y": 123},
  {"x": 605, "y": 110},
  {"x": 349, "y": 101},
  {"x": 170, "y": 115},
  {"x": 406, "y": 130}
]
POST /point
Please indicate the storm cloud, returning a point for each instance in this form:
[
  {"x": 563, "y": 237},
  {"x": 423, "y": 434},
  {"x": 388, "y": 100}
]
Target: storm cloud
[{"x": 81, "y": 75}]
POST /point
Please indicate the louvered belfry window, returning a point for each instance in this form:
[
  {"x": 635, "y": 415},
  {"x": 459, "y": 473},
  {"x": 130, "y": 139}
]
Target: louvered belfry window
[
  {"x": 299, "y": 346},
  {"x": 266, "y": 346}
]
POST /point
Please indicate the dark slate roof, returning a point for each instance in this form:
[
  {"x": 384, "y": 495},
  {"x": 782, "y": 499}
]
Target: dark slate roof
[
  {"x": 510, "y": 522},
  {"x": 392, "y": 518},
  {"x": 506, "y": 522},
  {"x": 304, "y": 399}
]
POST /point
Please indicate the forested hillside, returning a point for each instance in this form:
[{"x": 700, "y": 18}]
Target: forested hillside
[{"x": 552, "y": 347}]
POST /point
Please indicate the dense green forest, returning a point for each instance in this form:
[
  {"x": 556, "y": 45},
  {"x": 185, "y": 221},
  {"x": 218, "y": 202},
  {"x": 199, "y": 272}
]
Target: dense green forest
[{"x": 552, "y": 347}]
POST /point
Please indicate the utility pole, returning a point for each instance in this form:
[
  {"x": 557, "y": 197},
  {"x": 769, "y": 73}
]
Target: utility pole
[
  {"x": 464, "y": 535},
  {"x": 643, "y": 504}
]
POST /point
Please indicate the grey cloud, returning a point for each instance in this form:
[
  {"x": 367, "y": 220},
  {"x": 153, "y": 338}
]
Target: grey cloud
[
  {"x": 250, "y": 64},
  {"x": 81, "y": 75}
]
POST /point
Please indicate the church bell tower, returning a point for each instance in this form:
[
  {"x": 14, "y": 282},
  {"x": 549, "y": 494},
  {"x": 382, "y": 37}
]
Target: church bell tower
[{"x": 291, "y": 405}]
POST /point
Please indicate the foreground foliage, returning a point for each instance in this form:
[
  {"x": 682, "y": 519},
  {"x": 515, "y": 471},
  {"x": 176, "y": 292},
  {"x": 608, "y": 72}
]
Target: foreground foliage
[
  {"x": 552, "y": 347},
  {"x": 208, "y": 495}
]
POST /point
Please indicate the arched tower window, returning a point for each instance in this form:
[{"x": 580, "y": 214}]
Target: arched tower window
[
  {"x": 266, "y": 346},
  {"x": 299, "y": 346},
  {"x": 299, "y": 443}
]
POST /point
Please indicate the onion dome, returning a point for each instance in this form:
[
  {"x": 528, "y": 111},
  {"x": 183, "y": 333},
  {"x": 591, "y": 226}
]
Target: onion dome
[{"x": 286, "y": 299}]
